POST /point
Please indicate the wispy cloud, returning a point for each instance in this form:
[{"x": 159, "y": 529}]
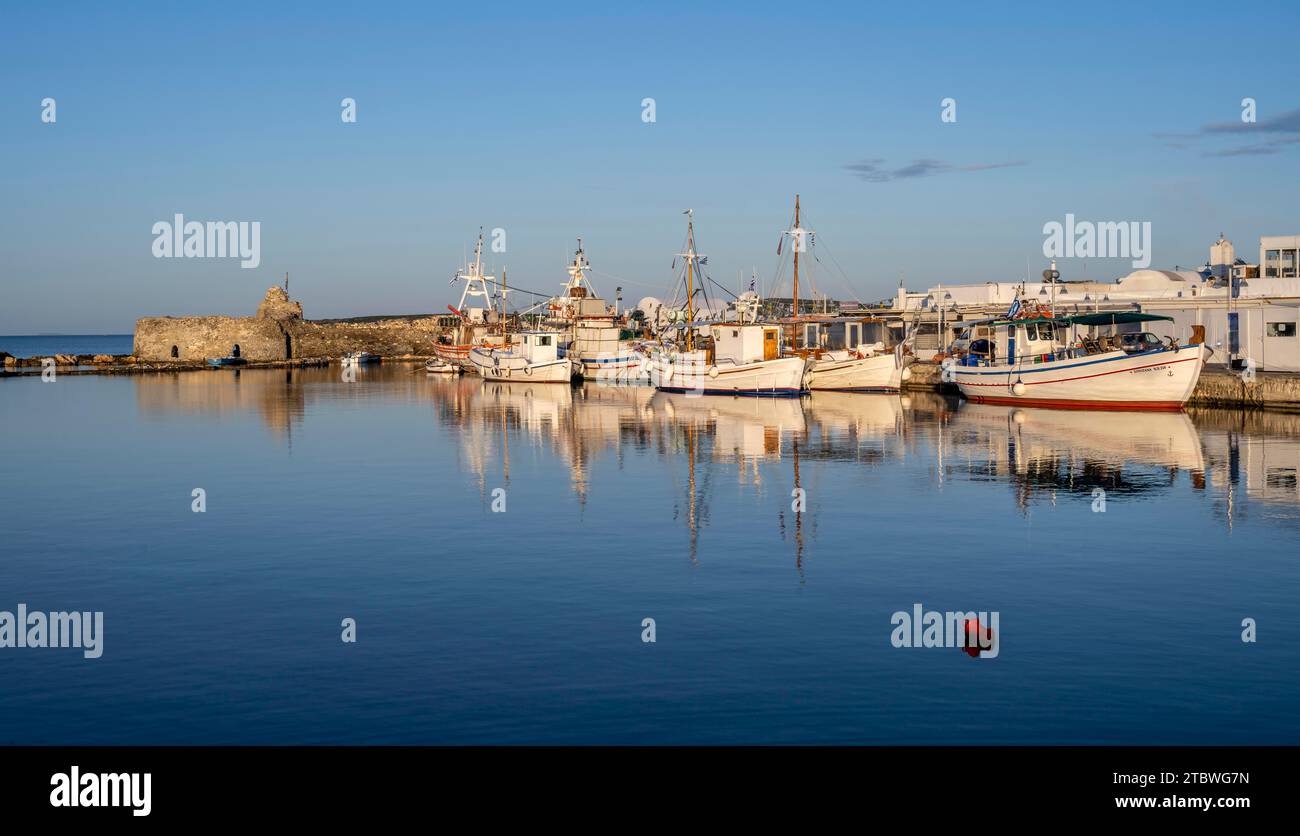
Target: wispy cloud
[
  {"x": 874, "y": 170},
  {"x": 1285, "y": 123},
  {"x": 1243, "y": 151},
  {"x": 1280, "y": 130}
]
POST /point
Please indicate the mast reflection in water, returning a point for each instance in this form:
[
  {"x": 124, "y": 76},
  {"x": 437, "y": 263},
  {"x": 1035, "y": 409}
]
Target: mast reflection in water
[{"x": 376, "y": 500}]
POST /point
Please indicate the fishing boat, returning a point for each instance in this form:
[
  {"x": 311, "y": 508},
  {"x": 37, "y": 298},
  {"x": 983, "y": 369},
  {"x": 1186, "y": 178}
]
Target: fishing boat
[
  {"x": 861, "y": 369},
  {"x": 597, "y": 347},
  {"x": 843, "y": 354},
  {"x": 734, "y": 358},
  {"x": 221, "y": 362},
  {"x": 360, "y": 358},
  {"x": 602, "y": 351},
  {"x": 474, "y": 324},
  {"x": 530, "y": 357},
  {"x": 1096, "y": 360},
  {"x": 738, "y": 359}
]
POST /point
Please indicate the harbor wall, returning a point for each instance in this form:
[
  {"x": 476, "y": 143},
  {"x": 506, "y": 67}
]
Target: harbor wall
[
  {"x": 278, "y": 332},
  {"x": 199, "y": 337},
  {"x": 389, "y": 337}
]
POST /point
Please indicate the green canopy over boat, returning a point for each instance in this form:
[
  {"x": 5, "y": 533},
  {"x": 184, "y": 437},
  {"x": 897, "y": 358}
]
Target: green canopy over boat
[
  {"x": 1116, "y": 318},
  {"x": 1101, "y": 318}
]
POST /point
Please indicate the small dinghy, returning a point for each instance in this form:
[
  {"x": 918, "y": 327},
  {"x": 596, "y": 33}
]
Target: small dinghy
[
  {"x": 437, "y": 366},
  {"x": 359, "y": 358},
  {"x": 226, "y": 361}
]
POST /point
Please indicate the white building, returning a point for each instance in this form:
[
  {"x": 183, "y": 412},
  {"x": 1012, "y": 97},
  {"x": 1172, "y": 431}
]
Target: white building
[
  {"x": 1279, "y": 256},
  {"x": 1265, "y": 306}
]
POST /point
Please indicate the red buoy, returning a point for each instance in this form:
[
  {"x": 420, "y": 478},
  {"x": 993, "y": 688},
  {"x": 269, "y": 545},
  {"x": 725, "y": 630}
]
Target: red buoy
[{"x": 978, "y": 637}]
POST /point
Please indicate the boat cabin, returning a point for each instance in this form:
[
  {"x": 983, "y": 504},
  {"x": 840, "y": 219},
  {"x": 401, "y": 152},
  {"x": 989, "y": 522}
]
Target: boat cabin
[
  {"x": 741, "y": 343},
  {"x": 1044, "y": 339},
  {"x": 536, "y": 346},
  {"x": 837, "y": 334}
]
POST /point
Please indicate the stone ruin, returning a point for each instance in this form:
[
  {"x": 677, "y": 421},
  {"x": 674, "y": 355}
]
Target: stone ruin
[
  {"x": 277, "y": 331},
  {"x": 277, "y": 305}
]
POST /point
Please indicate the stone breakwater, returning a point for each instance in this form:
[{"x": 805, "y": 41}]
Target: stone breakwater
[
  {"x": 278, "y": 331},
  {"x": 78, "y": 364}
]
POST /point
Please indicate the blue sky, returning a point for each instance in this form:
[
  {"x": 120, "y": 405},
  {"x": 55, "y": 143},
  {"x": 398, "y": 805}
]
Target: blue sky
[{"x": 527, "y": 117}]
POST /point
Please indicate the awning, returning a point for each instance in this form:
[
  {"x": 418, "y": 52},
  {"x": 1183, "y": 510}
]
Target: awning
[
  {"x": 1102, "y": 318},
  {"x": 1116, "y": 318}
]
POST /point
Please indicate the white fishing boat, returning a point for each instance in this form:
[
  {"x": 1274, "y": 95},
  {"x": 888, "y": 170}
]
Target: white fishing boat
[
  {"x": 599, "y": 352},
  {"x": 738, "y": 359},
  {"x": 596, "y": 348},
  {"x": 530, "y": 357},
  {"x": 839, "y": 360},
  {"x": 1091, "y": 361},
  {"x": 735, "y": 358},
  {"x": 475, "y": 323},
  {"x": 360, "y": 358},
  {"x": 843, "y": 354}
]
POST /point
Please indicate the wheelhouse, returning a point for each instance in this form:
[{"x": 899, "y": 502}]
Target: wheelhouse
[
  {"x": 1045, "y": 339},
  {"x": 836, "y": 334},
  {"x": 537, "y": 346}
]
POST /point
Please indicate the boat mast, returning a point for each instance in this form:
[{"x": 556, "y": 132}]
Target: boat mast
[
  {"x": 795, "y": 299},
  {"x": 476, "y": 284},
  {"x": 690, "y": 279},
  {"x": 502, "y": 294}
]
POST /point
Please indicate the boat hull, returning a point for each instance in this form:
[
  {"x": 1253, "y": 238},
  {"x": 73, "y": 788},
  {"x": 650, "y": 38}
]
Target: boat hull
[
  {"x": 879, "y": 373},
  {"x": 455, "y": 354},
  {"x": 780, "y": 378},
  {"x": 504, "y": 366},
  {"x": 622, "y": 366},
  {"x": 1151, "y": 380}
]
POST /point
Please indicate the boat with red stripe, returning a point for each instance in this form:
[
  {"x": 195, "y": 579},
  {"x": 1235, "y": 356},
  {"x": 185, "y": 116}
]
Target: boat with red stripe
[{"x": 1100, "y": 360}]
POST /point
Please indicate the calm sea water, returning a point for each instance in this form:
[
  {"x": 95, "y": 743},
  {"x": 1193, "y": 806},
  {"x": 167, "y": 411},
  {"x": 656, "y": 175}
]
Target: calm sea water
[
  {"x": 49, "y": 345},
  {"x": 373, "y": 500}
]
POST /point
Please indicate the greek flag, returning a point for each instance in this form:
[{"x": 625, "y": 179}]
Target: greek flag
[{"x": 1014, "y": 309}]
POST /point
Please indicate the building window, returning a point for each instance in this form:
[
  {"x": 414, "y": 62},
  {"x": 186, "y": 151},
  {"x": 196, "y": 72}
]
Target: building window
[
  {"x": 1271, "y": 260},
  {"x": 1288, "y": 264},
  {"x": 176, "y": 352},
  {"x": 1280, "y": 329}
]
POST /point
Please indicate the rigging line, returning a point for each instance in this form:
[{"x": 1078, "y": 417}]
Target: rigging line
[
  {"x": 521, "y": 290},
  {"x": 723, "y": 288},
  {"x": 624, "y": 281},
  {"x": 843, "y": 275}
]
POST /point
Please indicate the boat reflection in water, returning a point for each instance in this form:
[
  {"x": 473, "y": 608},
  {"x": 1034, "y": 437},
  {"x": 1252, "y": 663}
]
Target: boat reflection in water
[
  {"x": 1054, "y": 452},
  {"x": 714, "y": 434},
  {"x": 770, "y": 447}
]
